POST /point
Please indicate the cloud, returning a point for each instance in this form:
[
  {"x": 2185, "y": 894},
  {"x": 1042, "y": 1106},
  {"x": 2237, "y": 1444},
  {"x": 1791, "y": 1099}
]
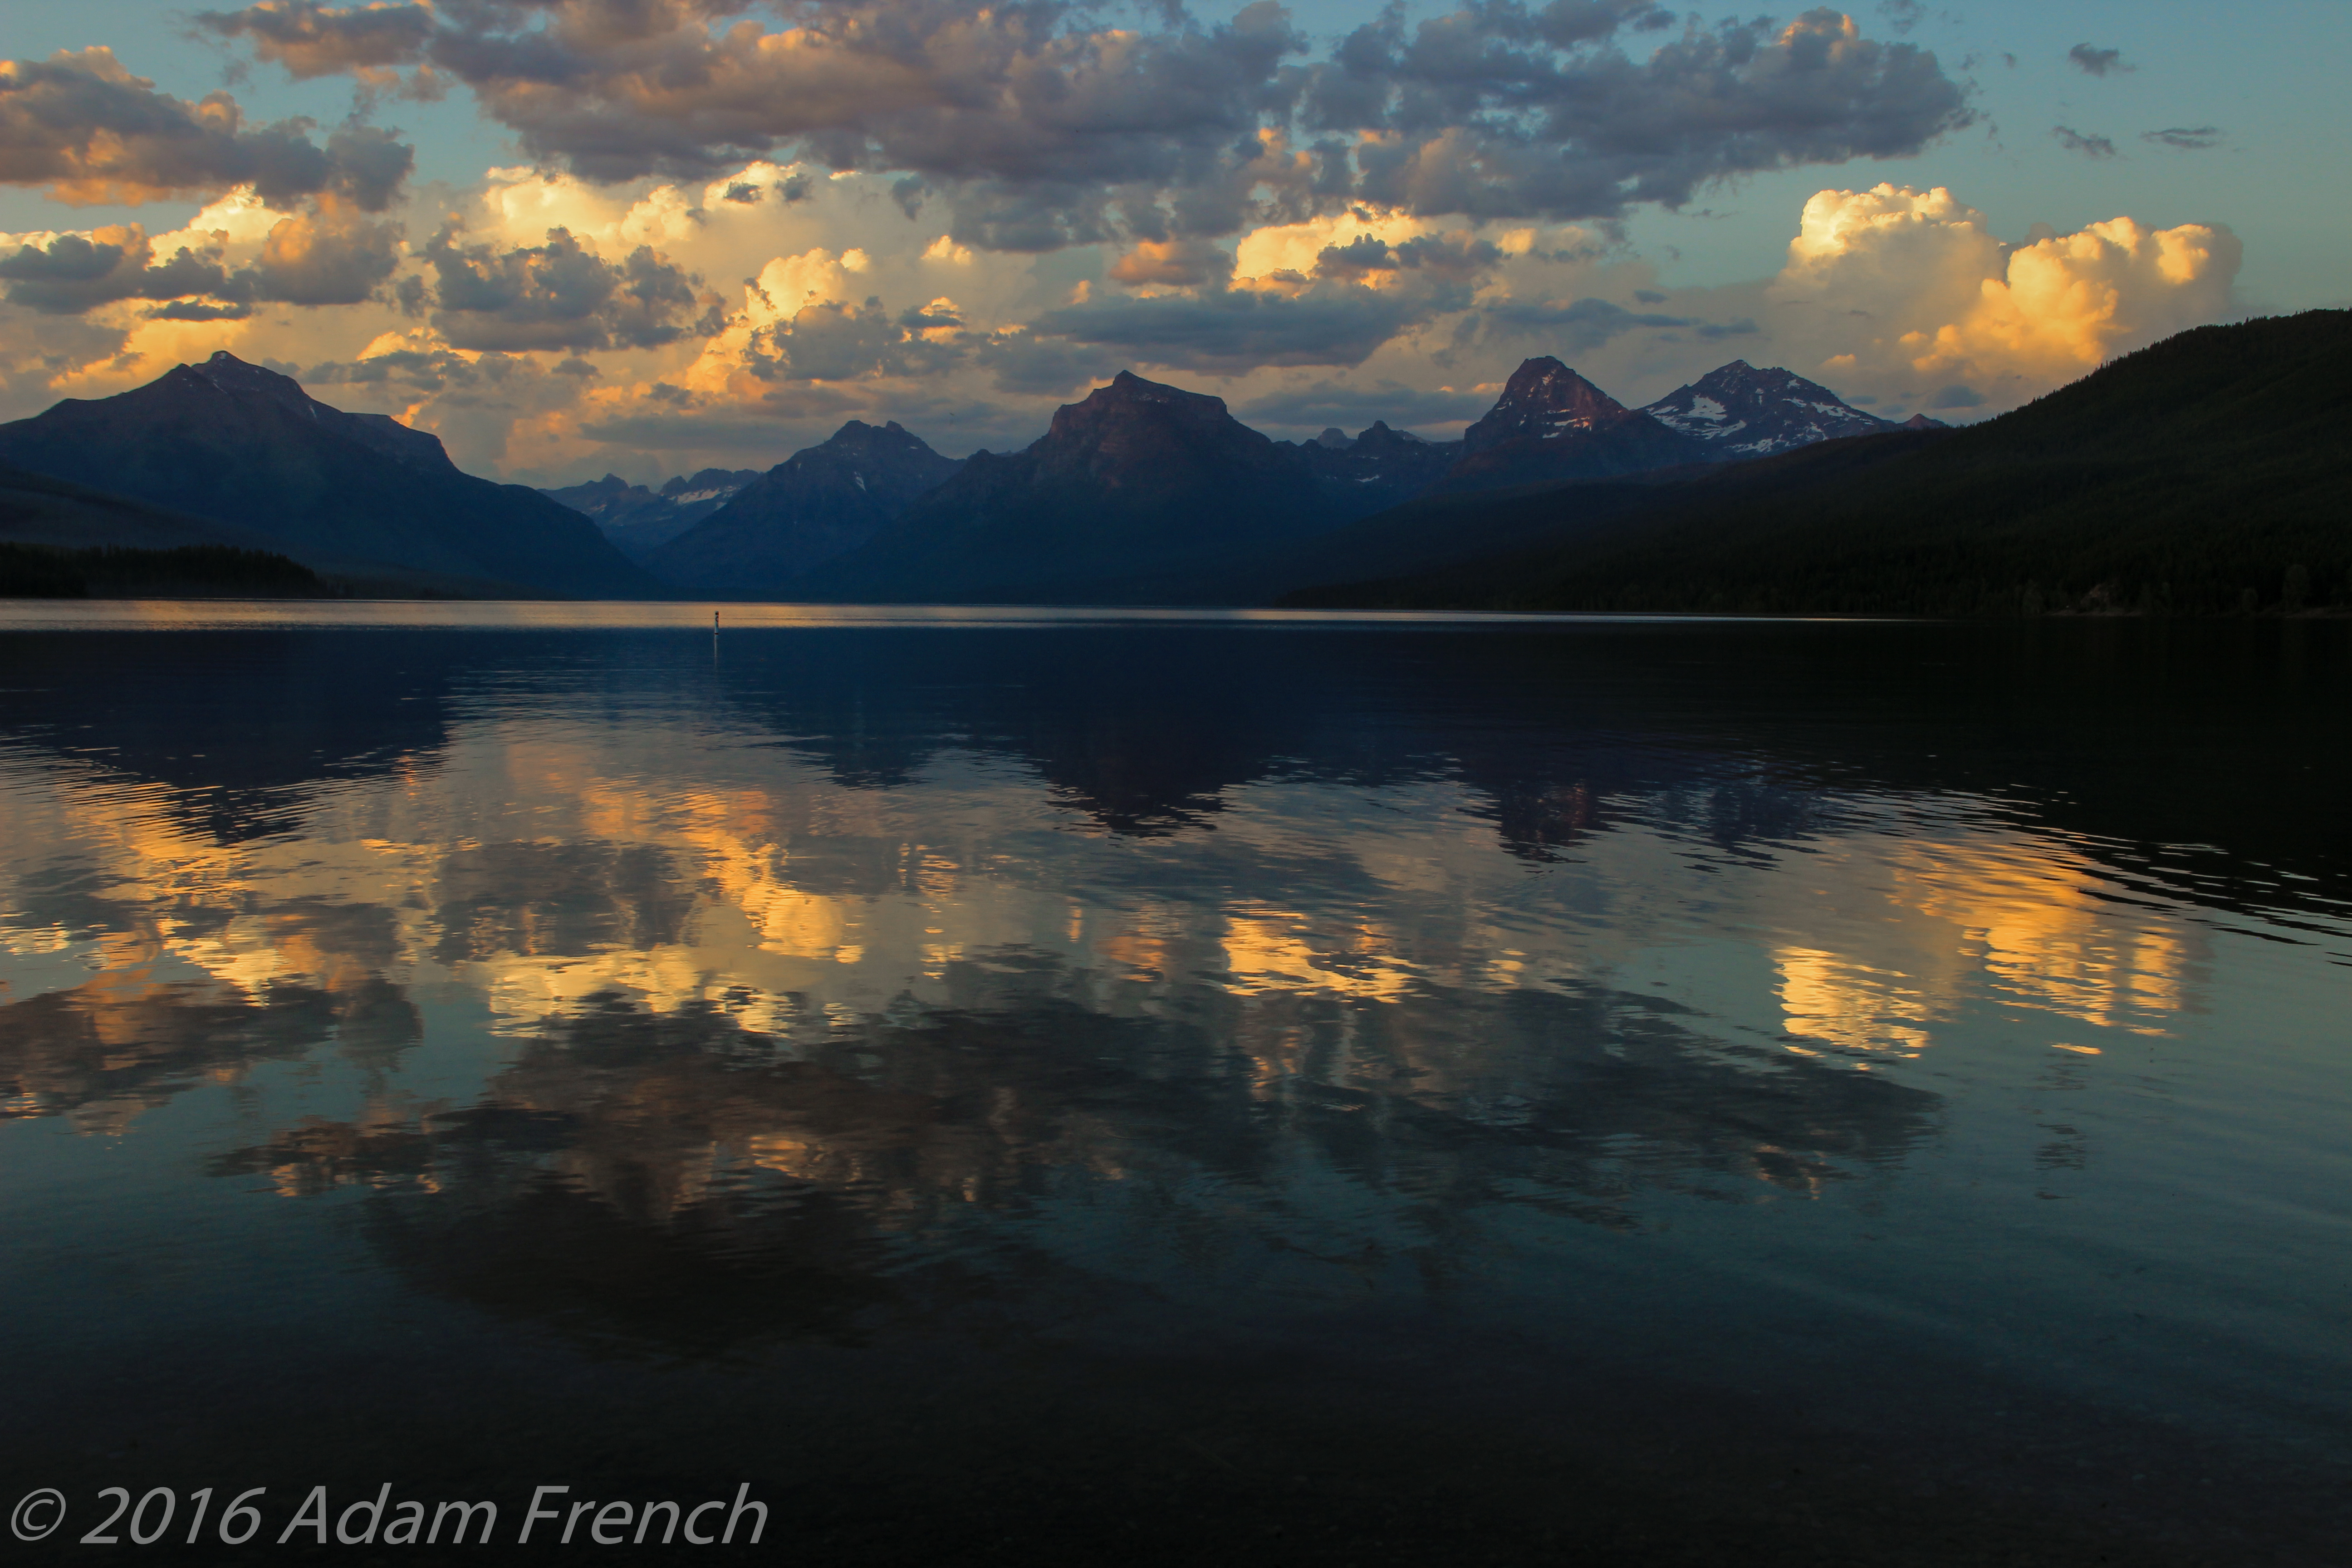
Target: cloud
[
  {"x": 199, "y": 311},
  {"x": 93, "y": 133},
  {"x": 1902, "y": 15},
  {"x": 1328, "y": 403},
  {"x": 1479, "y": 114},
  {"x": 804, "y": 320},
  {"x": 1241, "y": 329},
  {"x": 834, "y": 341},
  {"x": 423, "y": 370},
  {"x": 1271, "y": 250},
  {"x": 1904, "y": 289},
  {"x": 1042, "y": 126},
  {"x": 1181, "y": 263},
  {"x": 928, "y": 86},
  {"x": 560, "y": 295},
  {"x": 788, "y": 284},
  {"x": 2074, "y": 140},
  {"x": 313, "y": 40},
  {"x": 67, "y": 274},
  {"x": 330, "y": 257},
  {"x": 1580, "y": 325},
  {"x": 2187, "y": 137},
  {"x": 2094, "y": 62},
  {"x": 1025, "y": 364},
  {"x": 1583, "y": 325},
  {"x": 1323, "y": 291}
]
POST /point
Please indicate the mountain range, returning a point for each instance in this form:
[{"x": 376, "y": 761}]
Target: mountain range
[
  {"x": 640, "y": 520},
  {"x": 1737, "y": 411},
  {"x": 240, "y": 455},
  {"x": 2206, "y": 474},
  {"x": 1145, "y": 493},
  {"x": 813, "y": 506}
]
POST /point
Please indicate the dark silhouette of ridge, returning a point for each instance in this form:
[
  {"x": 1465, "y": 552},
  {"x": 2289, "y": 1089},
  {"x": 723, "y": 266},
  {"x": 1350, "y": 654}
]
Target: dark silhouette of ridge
[
  {"x": 244, "y": 447},
  {"x": 1739, "y": 411},
  {"x": 821, "y": 502},
  {"x": 639, "y": 520},
  {"x": 2206, "y": 474},
  {"x": 1551, "y": 425},
  {"x": 1136, "y": 478}
]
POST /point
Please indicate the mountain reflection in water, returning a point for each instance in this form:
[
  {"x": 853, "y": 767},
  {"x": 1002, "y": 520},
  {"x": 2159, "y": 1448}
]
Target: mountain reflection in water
[{"x": 830, "y": 988}]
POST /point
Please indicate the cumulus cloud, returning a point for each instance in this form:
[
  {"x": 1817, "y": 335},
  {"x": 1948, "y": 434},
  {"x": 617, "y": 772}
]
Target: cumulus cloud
[
  {"x": 812, "y": 317},
  {"x": 788, "y": 284},
  {"x": 2074, "y": 140},
  {"x": 93, "y": 133},
  {"x": 2092, "y": 60},
  {"x": 67, "y": 274},
  {"x": 1328, "y": 291},
  {"x": 1483, "y": 113},
  {"x": 835, "y": 341},
  {"x": 332, "y": 257},
  {"x": 1023, "y": 364},
  {"x": 1176, "y": 263},
  {"x": 1915, "y": 296},
  {"x": 561, "y": 295},
  {"x": 313, "y": 40},
  {"x": 1042, "y": 126},
  {"x": 427, "y": 369},
  {"x": 2185, "y": 138},
  {"x": 492, "y": 411}
]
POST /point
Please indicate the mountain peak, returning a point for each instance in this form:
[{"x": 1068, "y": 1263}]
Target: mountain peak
[
  {"x": 246, "y": 385},
  {"x": 1543, "y": 401},
  {"x": 1742, "y": 411},
  {"x": 1131, "y": 404},
  {"x": 244, "y": 445},
  {"x": 818, "y": 503},
  {"x": 1127, "y": 387},
  {"x": 231, "y": 374},
  {"x": 856, "y": 438}
]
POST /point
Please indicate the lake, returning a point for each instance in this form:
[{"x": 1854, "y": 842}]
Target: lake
[{"x": 996, "y": 1087}]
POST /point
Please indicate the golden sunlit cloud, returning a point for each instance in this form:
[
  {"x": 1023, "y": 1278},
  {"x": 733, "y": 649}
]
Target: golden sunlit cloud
[{"x": 1913, "y": 295}]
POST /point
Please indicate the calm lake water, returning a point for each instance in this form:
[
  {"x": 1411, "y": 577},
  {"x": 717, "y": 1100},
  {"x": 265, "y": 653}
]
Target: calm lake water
[{"x": 1019, "y": 1088}]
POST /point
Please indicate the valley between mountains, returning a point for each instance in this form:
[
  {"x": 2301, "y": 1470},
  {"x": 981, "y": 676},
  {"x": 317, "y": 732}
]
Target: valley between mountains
[{"x": 2203, "y": 475}]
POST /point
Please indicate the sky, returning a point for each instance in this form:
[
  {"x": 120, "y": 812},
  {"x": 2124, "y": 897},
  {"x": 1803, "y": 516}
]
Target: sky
[{"x": 647, "y": 236}]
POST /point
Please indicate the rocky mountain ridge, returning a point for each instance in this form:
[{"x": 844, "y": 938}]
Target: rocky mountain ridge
[
  {"x": 1551, "y": 425},
  {"x": 1139, "y": 491},
  {"x": 817, "y": 504},
  {"x": 1739, "y": 411},
  {"x": 1136, "y": 478},
  {"x": 244, "y": 447},
  {"x": 1140, "y": 486},
  {"x": 640, "y": 520}
]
